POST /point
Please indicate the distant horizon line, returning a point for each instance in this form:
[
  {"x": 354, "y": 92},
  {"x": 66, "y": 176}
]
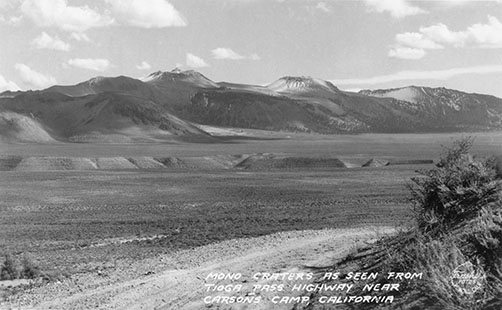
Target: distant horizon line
[{"x": 435, "y": 75}]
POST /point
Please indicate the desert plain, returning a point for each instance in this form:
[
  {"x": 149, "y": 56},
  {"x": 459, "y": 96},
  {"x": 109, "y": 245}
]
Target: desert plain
[{"x": 144, "y": 236}]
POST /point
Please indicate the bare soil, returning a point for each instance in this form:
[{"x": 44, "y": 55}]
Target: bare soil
[{"x": 177, "y": 280}]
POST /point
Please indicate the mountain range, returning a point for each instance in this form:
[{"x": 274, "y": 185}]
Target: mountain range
[{"x": 172, "y": 105}]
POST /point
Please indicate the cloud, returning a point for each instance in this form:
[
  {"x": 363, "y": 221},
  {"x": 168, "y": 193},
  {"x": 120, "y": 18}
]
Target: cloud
[
  {"x": 441, "y": 33},
  {"x": 97, "y": 64},
  {"x": 154, "y": 14},
  {"x": 412, "y": 45},
  {"x": 195, "y": 61},
  {"x": 396, "y": 8},
  {"x": 57, "y": 13},
  {"x": 45, "y": 41},
  {"x": 80, "y": 36},
  {"x": 420, "y": 75},
  {"x": 416, "y": 40},
  {"x": 143, "y": 66},
  {"x": 227, "y": 53},
  {"x": 406, "y": 53},
  {"x": 33, "y": 78},
  {"x": 488, "y": 35},
  {"x": 480, "y": 35},
  {"x": 450, "y": 3},
  {"x": 7, "y": 85},
  {"x": 323, "y": 7},
  {"x": 8, "y": 4},
  {"x": 13, "y": 20}
]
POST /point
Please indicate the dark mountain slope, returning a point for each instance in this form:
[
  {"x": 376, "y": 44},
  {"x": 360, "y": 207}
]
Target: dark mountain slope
[
  {"x": 97, "y": 85},
  {"x": 445, "y": 108},
  {"x": 111, "y": 117}
]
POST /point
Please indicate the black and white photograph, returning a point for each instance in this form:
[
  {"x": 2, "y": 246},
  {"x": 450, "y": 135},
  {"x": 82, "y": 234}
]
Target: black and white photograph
[{"x": 250, "y": 154}]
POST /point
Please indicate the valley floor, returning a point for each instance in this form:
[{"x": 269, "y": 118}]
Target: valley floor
[{"x": 124, "y": 238}]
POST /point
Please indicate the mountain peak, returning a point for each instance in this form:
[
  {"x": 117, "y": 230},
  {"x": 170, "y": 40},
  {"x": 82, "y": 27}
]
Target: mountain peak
[
  {"x": 173, "y": 73},
  {"x": 302, "y": 78},
  {"x": 96, "y": 80},
  {"x": 301, "y": 84},
  {"x": 178, "y": 76},
  {"x": 428, "y": 96}
]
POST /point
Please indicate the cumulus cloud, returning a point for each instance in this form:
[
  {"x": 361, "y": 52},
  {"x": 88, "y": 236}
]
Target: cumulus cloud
[
  {"x": 441, "y": 33},
  {"x": 80, "y": 36},
  {"x": 396, "y": 8},
  {"x": 7, "y": 85},
  {"x": 416, "y": 40},
  {"x": 45, "y": 41},
  {"x": 154, "y": 14},
  {"x": 57, "y": 13},
  {"x": 97, "y": 64},
  {"x": 227, "y": 53},
  {"x": 406, "y": 53},
  {"x": 143, "y": 66},
  {"x": 34, "y": 79},
  {"x": 487, "y": 35},
  {"x": 195, "y": 61},
  {"x": 420, "y": 75}
]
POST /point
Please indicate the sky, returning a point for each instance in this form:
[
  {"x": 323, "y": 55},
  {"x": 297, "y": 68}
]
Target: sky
[{"x": 365, "y": 44}]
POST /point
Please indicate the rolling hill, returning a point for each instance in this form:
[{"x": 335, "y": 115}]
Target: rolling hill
[
  {"x": 103, "y": 117},
  {"x": 446, "y": 108},
  {"x": 171, "y": 105},
  {"x": 15, "y": 127}
]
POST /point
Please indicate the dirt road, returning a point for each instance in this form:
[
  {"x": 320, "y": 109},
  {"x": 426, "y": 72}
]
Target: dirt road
[{"x": 246, "y": 261}]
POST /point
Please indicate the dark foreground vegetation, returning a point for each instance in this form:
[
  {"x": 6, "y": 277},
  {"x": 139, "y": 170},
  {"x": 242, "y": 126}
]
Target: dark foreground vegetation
[{"x": 455, "y": 240}]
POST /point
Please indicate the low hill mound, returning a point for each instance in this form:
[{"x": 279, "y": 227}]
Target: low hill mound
[
  {"x": 8, "y": 163},
  {"x": 55, "y": 163},
  {"x": 16, "y": 127},
  {"x": 376, "y": 163},
  {"x": 272, "y": 161}
]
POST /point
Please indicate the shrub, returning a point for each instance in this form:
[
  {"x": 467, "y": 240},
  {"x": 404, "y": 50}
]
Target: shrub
[
  {"x": 458, "y": 209},
  {"x": 10, "y": 269},
  {"x": 29, "y": 269},
  {"x": 454, "y": 192},
  {"x": 13, "y": 269}
]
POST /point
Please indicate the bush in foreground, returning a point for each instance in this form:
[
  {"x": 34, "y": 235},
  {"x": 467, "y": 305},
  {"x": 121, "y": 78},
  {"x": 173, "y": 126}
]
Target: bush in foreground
[
  {"x": 12, "y": 269},
  {"x": 453, "y": 193}
]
